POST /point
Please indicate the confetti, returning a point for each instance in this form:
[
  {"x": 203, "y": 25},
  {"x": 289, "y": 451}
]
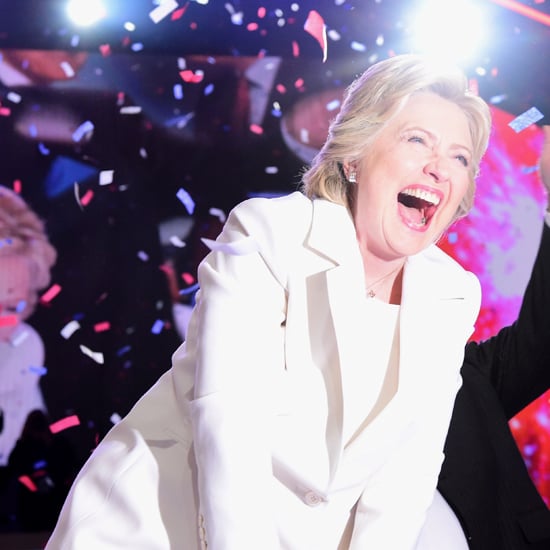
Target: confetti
[
  {"x": 219, "y": 213},
  {"x": 9, "y": 320},
  {"x": 256, "y": 129},
  {"x": 192, "y": 77},
  {"x": 14, "y": 97},
  {"x": 28, "y": 483},
  {"x": 50, "y": 294},
  {"x": 115, "y": 418},
  {"x": 85, "y": 130},
  {"x": 69, "y": 329},
  {"x": 130, "y": 110},
  {"x": 315, "y": 25},
  {"x": 102, "y": 327},
  {"x": 67, "y": 69},
  {"x": 187, "y": 278},
  {"x": 186, "y": 200},
  {"x": 97, "y": 356},
  {"x": 525, "y": 120},
  {"x": 19, "y": 339},
  {"x": 143, "y": 256},
  {"x": 157, "y": 327},
  {"x": 106, "y": 177},
  {"x": 64, "y": 423},
  {"x": 87, "y": 198},
  {"x": 166, "y": 7},
  {"x": 177, "y": 242},
  {"x": 41, "y": 371}
]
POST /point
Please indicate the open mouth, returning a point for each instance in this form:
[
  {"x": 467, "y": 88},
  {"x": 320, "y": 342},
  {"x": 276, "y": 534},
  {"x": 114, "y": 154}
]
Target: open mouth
[{"x": 417, "y": 206}]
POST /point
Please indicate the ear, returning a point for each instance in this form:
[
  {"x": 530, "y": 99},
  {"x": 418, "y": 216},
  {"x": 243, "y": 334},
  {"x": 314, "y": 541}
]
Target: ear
[{"x": 348, "y": 167}]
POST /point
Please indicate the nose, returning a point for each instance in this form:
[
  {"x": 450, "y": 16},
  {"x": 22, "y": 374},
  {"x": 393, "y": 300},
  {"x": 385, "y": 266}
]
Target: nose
[{"x": 437, "y": 168}]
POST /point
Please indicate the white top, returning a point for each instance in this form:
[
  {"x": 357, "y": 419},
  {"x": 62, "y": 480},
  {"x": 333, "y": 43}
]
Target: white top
[{"x": 21, "y": 361}]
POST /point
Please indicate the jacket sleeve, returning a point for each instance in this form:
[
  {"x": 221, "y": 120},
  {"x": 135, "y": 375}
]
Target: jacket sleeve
[
  {"x": 238, "y": 346},
  {"x": 517, "y": 359}
]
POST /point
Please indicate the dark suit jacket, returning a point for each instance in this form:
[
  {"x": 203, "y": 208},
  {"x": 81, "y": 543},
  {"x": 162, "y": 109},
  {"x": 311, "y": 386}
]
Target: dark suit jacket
[{"x": 483, "y": 477}]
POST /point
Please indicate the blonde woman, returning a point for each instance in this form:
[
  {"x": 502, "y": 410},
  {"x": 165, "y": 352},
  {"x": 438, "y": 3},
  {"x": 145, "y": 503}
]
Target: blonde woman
[{"x": 308, "y": 407}]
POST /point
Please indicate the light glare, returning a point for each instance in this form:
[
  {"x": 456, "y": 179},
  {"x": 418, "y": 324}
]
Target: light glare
[{"x": 85, "y": 12}]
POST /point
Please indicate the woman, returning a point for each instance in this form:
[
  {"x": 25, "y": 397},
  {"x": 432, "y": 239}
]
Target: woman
[
  {"x": 309, "y": 405},
  {"x": 26, "y": 257}
]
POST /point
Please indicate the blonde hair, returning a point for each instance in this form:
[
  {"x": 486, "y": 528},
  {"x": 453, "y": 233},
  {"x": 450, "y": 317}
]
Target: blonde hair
[
  {"x": 369, "y": 103},
  {"x": 22, "y": 234}
]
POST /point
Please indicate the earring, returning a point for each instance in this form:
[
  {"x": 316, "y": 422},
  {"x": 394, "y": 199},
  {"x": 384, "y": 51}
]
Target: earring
[{"x": 352, "y": 178}]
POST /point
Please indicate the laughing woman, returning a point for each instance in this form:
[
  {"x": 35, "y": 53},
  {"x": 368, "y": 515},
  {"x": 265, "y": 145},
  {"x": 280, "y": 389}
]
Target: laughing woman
[{"x": 308, "y": 407}]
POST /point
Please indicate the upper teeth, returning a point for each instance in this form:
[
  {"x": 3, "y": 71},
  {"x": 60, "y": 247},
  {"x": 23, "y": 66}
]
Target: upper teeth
[{"x": 427, "y": 196}]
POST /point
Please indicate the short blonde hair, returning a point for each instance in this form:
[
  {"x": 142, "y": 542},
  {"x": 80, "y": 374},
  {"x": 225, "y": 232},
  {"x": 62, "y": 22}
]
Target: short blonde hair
[
  {"x": 22, "y": 234},
  {"x": 369, "y": 103}
]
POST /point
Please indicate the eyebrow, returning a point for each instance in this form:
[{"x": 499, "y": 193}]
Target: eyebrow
[{"x": 433, "y": 137}]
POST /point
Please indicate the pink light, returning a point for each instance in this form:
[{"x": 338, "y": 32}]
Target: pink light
[{"x": 524, "y": 10}]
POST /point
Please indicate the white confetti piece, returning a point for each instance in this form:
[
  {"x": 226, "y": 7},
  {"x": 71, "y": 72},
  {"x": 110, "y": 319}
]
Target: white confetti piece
[
  {"x": 219, "y": 213},
  {"x": 69, "y": 329},
  {"x": 166, "y": 7},
  {"x": 524, "y": 120},
  {"x": 106, "y": 177},
  {"x": 186, "y": 200},
  {"x": 97, "y": 356},
  {"x": 130, "y": 110}
]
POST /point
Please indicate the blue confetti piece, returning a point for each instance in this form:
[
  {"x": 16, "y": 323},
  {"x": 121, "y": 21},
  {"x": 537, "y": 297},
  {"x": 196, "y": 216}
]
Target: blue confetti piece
[
  {"x": 123, "y": 351},
  {"x": 178, "y": 91},
  {"x": 41, "y": 371},
  {"x": 186, "y": 200},
  {"x": 40, "y": 465},
  {"x": 189, "y": 289},
  {"x": 21, "y": 305},
  {"x": 157, "y": 327},
  {"x": 452, "y": 237},
  {"x": 209, "y": 89},
  {"x": 43, "y": 149},
  {"x": 82, "y": 130},
  {"x": 525, "y": 120}
]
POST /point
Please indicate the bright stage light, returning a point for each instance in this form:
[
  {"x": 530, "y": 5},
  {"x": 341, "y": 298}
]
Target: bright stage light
[
  {"x": 451, "y": 29},
  {"x": 85, "y": 12}
]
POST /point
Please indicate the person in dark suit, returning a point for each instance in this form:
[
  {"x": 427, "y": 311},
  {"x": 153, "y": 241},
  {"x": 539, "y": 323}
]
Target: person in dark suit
[{"x": 489, "y": 500}]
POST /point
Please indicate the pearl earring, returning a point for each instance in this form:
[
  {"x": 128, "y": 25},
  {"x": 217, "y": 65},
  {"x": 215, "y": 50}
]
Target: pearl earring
[{"x": 352, "y": 178}]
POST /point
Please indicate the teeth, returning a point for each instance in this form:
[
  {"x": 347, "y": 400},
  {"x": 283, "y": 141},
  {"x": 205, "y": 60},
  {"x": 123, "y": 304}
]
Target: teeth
[{"x": 422, "y": 194}]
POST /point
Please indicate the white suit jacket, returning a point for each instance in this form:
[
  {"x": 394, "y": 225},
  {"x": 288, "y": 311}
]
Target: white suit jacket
[{"x": 256, "y": 399}]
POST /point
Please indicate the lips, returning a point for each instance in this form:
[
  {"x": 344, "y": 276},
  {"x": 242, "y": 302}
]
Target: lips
[{"x": 417, "y": 205}]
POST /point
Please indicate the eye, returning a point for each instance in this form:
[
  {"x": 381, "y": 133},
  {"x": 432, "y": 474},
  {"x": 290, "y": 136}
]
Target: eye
[
  {"x": 416, "y": 139},
  {"x": 463, "y": 160}
]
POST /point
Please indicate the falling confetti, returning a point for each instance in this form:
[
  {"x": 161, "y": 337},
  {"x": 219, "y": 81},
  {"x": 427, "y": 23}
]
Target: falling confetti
[
  {"x": 315, "y": 25},
  {"x": 525, "y": 120}
]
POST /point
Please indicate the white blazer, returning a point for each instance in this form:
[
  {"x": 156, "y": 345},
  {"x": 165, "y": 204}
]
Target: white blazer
[{"x": 256, "y": 398}]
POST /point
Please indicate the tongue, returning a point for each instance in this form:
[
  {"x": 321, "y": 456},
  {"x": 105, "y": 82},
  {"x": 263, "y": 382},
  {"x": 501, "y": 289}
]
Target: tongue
[{"x": 410, "y": 214}]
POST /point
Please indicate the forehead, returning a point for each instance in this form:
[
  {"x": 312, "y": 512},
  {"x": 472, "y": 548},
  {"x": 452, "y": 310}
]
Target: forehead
[{"x": 433, "y": 113}]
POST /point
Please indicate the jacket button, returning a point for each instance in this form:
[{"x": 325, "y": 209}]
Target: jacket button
[{"x": 312, "y": 499}]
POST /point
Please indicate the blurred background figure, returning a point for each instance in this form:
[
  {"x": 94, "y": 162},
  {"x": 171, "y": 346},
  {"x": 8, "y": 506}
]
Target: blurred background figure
[
  {"x": 26, "y": 257},
  {"x": 41, "y": 468}
]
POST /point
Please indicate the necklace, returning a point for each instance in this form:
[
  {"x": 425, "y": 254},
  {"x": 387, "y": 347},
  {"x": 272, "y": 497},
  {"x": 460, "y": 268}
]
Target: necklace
[{"x": 369, "y": 289}]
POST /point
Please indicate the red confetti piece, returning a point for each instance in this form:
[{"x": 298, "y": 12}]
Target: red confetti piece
[
  {"x": 9, "y": 320},
  {"x": 50, "y": 294},
  {"x": 315, "y": 25},
  {"x": 252, "y": 27},
  {"x": 261, "y": 12},
  {"x": 28, "y": 483},
  {"x": 190, "y": 76},
  {"x": 86, "y": 199},
  {"x": 295, "y": 49},
  {"x": 179, "y": 13},
  {"x": 299, "y": 83},
  {"x": 280, "y": 88},
  {"x": 256, "y": 129},
  {"x": 105, "y": 50},
  {"x": 17, "y": 186},
  {"x": 5, "y": 111},
  {"x": 188, "y": 278},
  {"x": 64, "y": 423},
  {"x": 102, "y": 327}
]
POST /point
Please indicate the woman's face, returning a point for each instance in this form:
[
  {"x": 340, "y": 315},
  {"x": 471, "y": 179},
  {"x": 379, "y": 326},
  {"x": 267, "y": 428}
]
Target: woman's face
[
  {"x": 413, "y": 177},
  {"x": 14, "y": 293}
]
